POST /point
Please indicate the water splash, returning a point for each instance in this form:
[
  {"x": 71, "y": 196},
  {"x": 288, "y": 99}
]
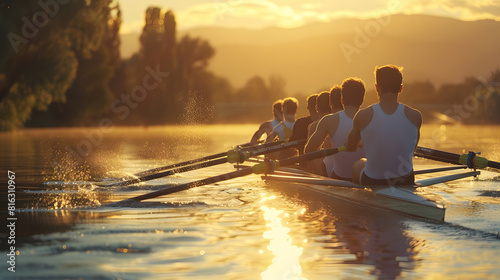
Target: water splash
[{"x": 83, "y": 196}]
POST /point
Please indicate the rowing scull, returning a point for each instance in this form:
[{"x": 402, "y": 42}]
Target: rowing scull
[{"x": 402, "y": 200}]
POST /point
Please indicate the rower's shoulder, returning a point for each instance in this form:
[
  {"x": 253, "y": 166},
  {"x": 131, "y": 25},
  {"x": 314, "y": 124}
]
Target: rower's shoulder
[
  {"x": 363, "y": 117},
  {"x": 302, "y": 122},
  {"x": 266, "y": 125},
  {"x": 368, "y": 111},
  {"x": 328, "y": 119},
  {"x": 411, "y": 110},
  {"x": 312, "y": 127},
  {"x": 364, "y": 114},
  {"x": 413, "y": 115}
]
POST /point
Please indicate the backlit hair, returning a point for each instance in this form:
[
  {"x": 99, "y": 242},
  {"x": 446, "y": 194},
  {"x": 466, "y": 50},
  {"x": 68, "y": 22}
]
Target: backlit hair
[
  {"x": 335, "y": 98},
  {"x": 353, "y": 91},
  {"x": 311, "y": 101},
  {"x": 389, "y": 78},
  {"x": 290, "y": 105},
  {"x": 323, "y": 102},
  {"x": 278, "y": 105}
]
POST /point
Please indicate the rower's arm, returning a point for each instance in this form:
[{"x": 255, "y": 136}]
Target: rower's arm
[
  {"x": 264, "y": 128},
  {"x": 271, "y": 137},
  {"x": 353, "y": 140},
  {"x": 414, "y": 116},
  {"x": 317, "y": 136}
]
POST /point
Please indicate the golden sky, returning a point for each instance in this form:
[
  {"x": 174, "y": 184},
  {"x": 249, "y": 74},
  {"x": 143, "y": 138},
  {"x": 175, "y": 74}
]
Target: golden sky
[{"x": 293, "y": 13}]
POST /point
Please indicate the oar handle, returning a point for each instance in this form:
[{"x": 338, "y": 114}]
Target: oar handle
[{"x": 238, "y": 156}]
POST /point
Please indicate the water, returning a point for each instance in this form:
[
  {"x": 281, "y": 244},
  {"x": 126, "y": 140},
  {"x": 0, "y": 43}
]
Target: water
[{"x": 237, "y": 229}]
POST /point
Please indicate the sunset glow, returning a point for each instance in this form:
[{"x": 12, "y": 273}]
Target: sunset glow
[{"x": 254, "y": 14}]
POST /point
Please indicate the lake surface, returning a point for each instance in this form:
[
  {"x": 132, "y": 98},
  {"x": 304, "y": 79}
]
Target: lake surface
[{"x": 237, "y": 229}]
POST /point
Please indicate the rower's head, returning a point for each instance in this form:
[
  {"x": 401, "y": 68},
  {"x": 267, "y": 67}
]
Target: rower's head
[
  {"x": 278, "y": 110},
  {"x": 311, "y": 106},
  {"x": 290, "y": 106},
  {"x": 311, "y": 102},
  {"x": 353, "y": 92},
  {"x": 389, "y": 79},
  {"x": 323, "y": 103},
  {"x": 336, "y": 98}
]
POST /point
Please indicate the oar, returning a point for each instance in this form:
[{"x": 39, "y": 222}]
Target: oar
[
  {"x": 440, "y": 169},
  {"x": 470, "y": 159},
  {"x": 246, "y": 146},
  {"x": 231, "y": 156},
  {"x": 265, "y": 167},
  {"x": 444, "y": 179}
]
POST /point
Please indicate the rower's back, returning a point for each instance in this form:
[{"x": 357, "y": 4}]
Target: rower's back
[
  {"x": 389, "y": 132},
  {"x": 389, "y": 141}
]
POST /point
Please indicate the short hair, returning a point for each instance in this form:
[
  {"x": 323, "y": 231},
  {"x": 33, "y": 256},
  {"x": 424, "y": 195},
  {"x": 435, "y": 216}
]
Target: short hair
[
  {"x": 278, "y": 105},
  {"x": 290, "y": 105},
  {"x": 389, "y": 78},
  {"x": 323, "y": 102},
  {"x": 353, "y": 91},
  {"x": 311, "y": 101},
  {"x": 336, "y": 97}
]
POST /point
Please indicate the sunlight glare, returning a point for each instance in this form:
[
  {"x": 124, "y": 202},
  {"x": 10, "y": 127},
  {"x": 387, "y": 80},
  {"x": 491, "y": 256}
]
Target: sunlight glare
[{"x": 286, "y": 256}]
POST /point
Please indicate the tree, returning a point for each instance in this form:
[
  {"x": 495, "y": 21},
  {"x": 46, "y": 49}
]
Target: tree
[
  {"x": 257, "y": 90},
  {"x": 185, "y": 61},
  {"x": 418, "y": 92},
  {"x": 90, "y": 95},
  {"x": 44, "y": 54}
]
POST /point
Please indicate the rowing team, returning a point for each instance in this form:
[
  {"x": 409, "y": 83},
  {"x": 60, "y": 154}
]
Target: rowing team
[{"x": 380, "y": 139}]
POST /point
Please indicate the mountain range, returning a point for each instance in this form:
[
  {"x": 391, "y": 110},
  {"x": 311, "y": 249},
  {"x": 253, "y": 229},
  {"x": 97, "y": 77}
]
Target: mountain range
[{"x": 319, "y": 55}]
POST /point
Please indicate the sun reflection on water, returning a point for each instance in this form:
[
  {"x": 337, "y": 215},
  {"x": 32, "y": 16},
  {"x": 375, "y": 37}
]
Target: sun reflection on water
[{"x": 286, "y": 256}]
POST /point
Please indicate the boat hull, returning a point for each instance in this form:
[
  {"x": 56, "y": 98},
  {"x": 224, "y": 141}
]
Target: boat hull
[{"x": 401, "y": 200}]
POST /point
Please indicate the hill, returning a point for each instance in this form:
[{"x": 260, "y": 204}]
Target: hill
[{"x": 319, "y": 55}]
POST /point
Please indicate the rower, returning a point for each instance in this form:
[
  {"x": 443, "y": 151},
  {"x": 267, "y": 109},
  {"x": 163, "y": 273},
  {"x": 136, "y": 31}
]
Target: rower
[
  {"x": 300, "y": 128},
  {"x": 336, "y": 99},
  {"x": 337, "y": 126},
  {"x": 389, "y": 132},
  {"x": 267, "y": 127},
  {"x": 283, "y": 130},
  {"x": 323, "y": 108}
]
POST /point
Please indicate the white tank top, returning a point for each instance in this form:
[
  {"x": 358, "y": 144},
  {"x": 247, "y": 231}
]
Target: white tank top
[
  {"x": 274, "y": 123},
  {"x": 389, "y": 142},
  {"x": 342, "y": 162},
  {"x": 280, "y": 130}
]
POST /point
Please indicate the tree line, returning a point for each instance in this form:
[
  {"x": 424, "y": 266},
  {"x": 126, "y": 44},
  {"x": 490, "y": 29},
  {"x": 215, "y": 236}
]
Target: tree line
[{"x": 60, "y": 65}]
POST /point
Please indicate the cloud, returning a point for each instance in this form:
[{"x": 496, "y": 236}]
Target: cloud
[
  {"x": 263, "y": 13},
  {"x": 461, "y": 9},
  {"x": 294, "y": 13}
]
